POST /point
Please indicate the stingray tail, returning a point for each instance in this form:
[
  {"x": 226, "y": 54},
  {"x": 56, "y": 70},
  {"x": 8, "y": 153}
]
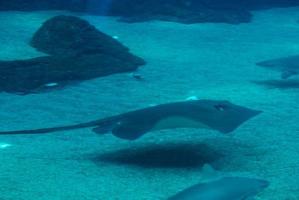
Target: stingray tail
[{"x": 105, "y": 125}]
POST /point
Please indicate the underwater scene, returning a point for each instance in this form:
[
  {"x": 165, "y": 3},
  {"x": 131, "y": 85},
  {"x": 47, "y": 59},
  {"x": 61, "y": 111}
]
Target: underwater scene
[{"x": 149, "y": 100}]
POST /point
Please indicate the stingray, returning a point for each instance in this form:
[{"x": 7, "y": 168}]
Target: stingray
[
  {"x": 222, "y": 116},
  {"x": 288, "y": 66},
  {"x": 227, "y": 188}
]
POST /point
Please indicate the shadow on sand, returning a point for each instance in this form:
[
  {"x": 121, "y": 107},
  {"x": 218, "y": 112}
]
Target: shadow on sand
[
  {"x": 170, "y": 155},
  {"x": 279, "y": 84}
]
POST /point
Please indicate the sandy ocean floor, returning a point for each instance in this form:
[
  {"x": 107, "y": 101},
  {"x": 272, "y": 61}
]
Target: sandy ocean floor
[{"x": 210, "y": 61}]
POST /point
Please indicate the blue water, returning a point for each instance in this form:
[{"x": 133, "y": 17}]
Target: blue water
[{"x": 206, "y": 60}]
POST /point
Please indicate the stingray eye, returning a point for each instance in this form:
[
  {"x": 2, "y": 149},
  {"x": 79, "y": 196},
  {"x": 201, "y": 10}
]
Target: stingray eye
[{"x": 220, "y": 107}]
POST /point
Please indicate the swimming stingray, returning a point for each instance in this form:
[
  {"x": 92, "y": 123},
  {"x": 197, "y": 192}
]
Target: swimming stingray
[
  {"x": 227, "y": 188},
  {"x": 288, "y": 66},
  {"x": 218, "y": 115}
]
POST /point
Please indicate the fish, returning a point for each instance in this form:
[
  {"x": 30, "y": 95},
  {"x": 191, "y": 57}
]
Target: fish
[
  {"x": 220, "y": 115},
  {"x": 226, "y": 188},
  {"x": 288, "y": 66}
]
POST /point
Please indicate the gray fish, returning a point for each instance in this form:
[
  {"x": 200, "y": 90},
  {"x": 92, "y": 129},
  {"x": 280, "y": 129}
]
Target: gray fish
[
  {"x": 222, "y": 116},
  {"x": 227, "y": 188},
  {"x": 288, "y": 66}
]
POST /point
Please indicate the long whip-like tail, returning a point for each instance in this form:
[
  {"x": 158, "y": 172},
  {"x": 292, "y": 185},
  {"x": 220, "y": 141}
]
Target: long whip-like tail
[{"x": 106, "y": 122}]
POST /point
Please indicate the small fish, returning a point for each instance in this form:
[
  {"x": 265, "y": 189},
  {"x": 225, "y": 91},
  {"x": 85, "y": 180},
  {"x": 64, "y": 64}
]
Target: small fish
[{"x": 227, "y": 188}]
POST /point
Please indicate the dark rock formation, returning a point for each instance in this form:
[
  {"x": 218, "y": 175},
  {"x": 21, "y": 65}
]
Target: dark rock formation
[
  {"x": 184, "y": 11},
  {"x": 70, "y": 36},
  {"x": 78, "y": 51}
]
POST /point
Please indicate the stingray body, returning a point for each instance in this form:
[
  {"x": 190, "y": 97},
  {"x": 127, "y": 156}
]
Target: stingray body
[
  {"x": 288, "y": 66},
  {"x": 218, "y": 115},
  {"x": 227, "y": 188}
]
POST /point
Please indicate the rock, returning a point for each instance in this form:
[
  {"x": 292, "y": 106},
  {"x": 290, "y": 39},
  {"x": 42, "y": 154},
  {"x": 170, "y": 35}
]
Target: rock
[
  {"x": 77, "y": 52},
  {"x": 69, "y": 35}
]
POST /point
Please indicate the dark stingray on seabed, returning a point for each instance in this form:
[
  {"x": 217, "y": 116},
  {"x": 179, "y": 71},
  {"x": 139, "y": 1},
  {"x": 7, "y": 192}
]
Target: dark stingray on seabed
[
  {"x": 227, "y": 188},
  {"x": 222, "y": 116},
  {"x": 280, "y": 84},
  {"x": 287, "y": 66}
]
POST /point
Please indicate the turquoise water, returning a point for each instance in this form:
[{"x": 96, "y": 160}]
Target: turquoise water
[{"x": 210, "y": 61}]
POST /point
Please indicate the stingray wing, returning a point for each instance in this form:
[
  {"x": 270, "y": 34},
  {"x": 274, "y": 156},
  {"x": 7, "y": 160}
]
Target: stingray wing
[{"x": 229, "y": 117}]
